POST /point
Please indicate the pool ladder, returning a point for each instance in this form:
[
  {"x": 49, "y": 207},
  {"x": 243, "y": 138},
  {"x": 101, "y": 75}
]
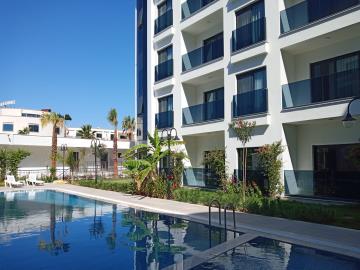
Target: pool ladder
[{"x": 228, "y": 206}]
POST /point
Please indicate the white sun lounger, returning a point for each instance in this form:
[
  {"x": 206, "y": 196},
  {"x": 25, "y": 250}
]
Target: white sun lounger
[
  {"x": 11, "y": 182},
  {"x": 33, "y": 181}
]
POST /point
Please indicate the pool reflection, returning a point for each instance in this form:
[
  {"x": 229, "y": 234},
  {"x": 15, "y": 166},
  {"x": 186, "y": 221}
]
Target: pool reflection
[{"x": 60, "y": 228}]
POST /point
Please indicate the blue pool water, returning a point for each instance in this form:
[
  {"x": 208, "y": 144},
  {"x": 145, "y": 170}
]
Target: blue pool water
[
  {"x": 50, "y": 230},
  {"x": 263, "y": 254}
]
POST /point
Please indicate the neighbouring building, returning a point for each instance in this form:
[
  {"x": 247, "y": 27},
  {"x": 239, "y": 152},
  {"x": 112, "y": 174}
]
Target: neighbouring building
[
  {"x": 38, "y": 143},
  {"x": 290, "y": 65}
]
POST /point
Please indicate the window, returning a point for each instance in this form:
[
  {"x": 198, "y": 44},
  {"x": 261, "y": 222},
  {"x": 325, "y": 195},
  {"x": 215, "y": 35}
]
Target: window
[
  {"x": 99, "y": 135},
  {"x": 112, "y": 136},
  {"x": 166, "y": 104},
  {"x": 250, "y": 14},
  {"x": 8, "y": 127},
  {"x": 335, "y": 78},
  {"x": 213, "y": 47},
  {"x": 163, "y": 7},
  {"x": 57, "y": 130},
  {"x": 251, "y": 81},
  {"x": 119, "y": 155},
  {"x": 165, "y": 54},
  {"x": 33, "y": 128},
  {"x": 30, "y": 115}
]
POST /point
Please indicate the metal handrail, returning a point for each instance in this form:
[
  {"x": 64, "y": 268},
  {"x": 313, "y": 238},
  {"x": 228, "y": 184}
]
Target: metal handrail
[
  {"x": 229, "y": 206},
  {"x": 219, "y": 206}
]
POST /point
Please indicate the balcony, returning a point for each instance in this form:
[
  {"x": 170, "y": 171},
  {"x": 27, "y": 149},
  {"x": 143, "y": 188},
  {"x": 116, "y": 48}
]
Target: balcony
[
  {"x": 339, "y": 85},
  {"x": 192, "y": 6},
  {"x": 163, "y": 21},
  {"x": 203, "y": 112},
  {"x": 203, "y": 55},
  {"x": 164, "y": 119},
  {"x": 249, "y": 34},
  {"x": 200, "y": 177},
  {"x": 309, "y": 11},
  {"x": 164, "y": 70},
  {"x": 252, "y": 102}
]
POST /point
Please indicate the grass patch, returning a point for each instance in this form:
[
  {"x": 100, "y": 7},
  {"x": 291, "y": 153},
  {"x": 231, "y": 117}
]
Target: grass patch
[{"x": 338, "y": 215}]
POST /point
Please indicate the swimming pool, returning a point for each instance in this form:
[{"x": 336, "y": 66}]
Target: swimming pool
[
  {"x": 45, "y": 229},
  {"x": 52, "y": 230}
]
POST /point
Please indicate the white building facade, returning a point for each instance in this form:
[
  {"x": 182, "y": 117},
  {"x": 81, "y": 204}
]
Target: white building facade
[
  {"x": 38, "y": 143},
  {"x": 292, "y": 66}
]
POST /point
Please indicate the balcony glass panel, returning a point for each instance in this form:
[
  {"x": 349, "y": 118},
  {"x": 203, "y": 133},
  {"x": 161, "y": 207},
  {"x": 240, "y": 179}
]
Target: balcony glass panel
[
  {"x": 200, "y": 177},
  {"x": 249, "y": 34},
  {"x": 191, "y": 6},
  {"x": 324, "y": 184},
  {"x": 338, "y": 85},
  {"x": 250, "y": 103},
  {"x": 309, "y": 11},
  {"x": 164, "y": 119},
  {"x": 164, "y": 70},
  {"x": 203, "y": 54},
  {"x": 203, "y": 112},
  {"x": 164, "y": 21}
]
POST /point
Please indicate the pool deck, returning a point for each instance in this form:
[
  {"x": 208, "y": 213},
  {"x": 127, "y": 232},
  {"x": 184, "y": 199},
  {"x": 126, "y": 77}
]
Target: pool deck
[{"x": 330, "y": 238}]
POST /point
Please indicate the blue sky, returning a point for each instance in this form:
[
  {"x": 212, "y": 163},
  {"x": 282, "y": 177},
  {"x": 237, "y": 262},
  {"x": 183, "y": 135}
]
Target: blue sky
[{"x": 73, "y": 56}]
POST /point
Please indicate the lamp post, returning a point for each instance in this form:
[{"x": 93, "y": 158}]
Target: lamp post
[
  {"x": 63, "y": 149},
  {"x": 95, "y": 143},
  {"x": 169, "y": 136},
  {"x": 349, "y": 120}
]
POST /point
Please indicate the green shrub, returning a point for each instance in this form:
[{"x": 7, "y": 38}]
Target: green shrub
[
  {"x": 270, "y": 165},
  {"x": 119, "y": 186}
]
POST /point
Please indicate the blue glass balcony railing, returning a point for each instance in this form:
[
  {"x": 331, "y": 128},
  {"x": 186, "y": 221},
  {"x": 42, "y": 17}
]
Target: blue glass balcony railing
[
  {"x": 200, "y": 177},
  {"x": 202, "y": 55},
  {"x": 309, "y": 11},
  {"x": 164, "y": 21},
  {"x": 203, "y": 112},
  {"x": 191, "y": 6},
  {"x": 164, "y": 119},
  {"x": 323, "y": 184},
  {"x": 340, "y": 85},
  {"x": 164, "y": 70},
  {"x": 251, "y": 102},
  {"x": 249, "y": 34}
]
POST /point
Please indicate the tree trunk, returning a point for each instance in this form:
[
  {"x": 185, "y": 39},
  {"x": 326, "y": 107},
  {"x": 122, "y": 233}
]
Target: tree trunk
[
  {"x": 53, "y": 151},
  {"x": 115, "y": 159}
]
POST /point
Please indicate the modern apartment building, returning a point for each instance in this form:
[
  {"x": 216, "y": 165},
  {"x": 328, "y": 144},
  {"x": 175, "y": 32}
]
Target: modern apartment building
[
  {"x": 38, "y": 142},
  {"x": 292, "y": 66}
]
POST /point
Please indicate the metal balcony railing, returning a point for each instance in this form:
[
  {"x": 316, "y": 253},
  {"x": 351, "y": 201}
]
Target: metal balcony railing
[
  {"x": 249, "y": 34},
  {"x": 310, "y": 11},
  {"x": 203, "y": 112},
  {"x": 204, "y": 54},
  {"x": 163, "y": 21},
  {"x": 251, "y": 102},
  {"x": 339, "y": 85}
]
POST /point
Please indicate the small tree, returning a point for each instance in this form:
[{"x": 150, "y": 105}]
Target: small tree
[
  {"x": 71, "y": 162},
  {"x": 3, "y": 163},
  {"x": 243, "y": 130},
  {"x": 270, "y": 165},
  {"x": 24, "y": 131},
  {"x": 14, "y": 158}
]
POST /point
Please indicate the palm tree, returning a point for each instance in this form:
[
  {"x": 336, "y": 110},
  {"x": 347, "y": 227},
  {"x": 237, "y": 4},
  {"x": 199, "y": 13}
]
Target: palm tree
[
  {"x": 128, "y": 126},
  {"x": 57, "y": 121},
  {"x": 24, "y": 131},
  {"x": 86, "y": 132},
  {"x": 141, "y": 161},
  {"x": 113, "y": 119}
]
